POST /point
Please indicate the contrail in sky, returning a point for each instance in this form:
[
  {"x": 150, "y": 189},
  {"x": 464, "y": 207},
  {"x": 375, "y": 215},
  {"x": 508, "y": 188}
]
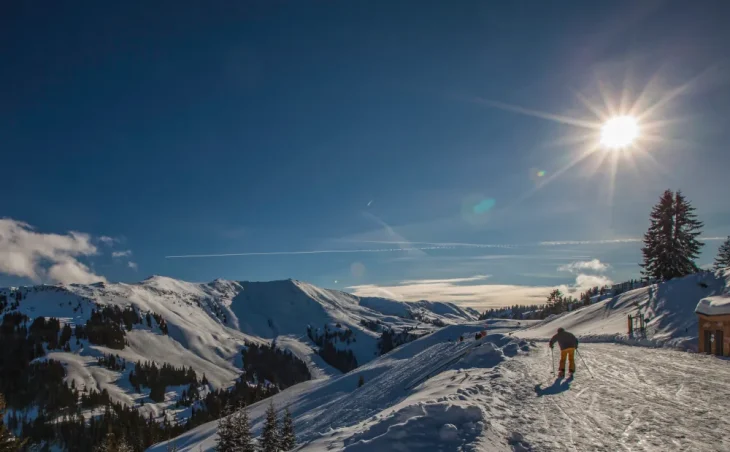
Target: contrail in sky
[
  {"x": 435, "y": 246},
  {"x": 287, "y": 253}
]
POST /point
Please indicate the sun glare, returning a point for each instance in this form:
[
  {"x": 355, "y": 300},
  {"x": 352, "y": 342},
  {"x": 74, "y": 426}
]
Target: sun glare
[{"x": 619, "y": 132}]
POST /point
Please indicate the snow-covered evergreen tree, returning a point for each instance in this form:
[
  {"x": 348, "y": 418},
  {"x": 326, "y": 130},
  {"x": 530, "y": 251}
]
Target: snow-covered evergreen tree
[
  {"x": 686, "y": 230},
  {"x": 242, "y": 431},
  {"x": 287, "y": 437},
  {"x": 226, "y": 441},
  {"x": 722, "y": 261},
  {"x": 270, "y": 434},
  {"x": 234, "y": 432},
  {"x": 670, "y": 244},
  {"x": 112, "y": 444}
]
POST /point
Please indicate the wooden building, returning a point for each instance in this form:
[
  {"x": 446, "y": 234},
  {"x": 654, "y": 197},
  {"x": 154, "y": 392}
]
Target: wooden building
[{"x": 713, "y": 320}]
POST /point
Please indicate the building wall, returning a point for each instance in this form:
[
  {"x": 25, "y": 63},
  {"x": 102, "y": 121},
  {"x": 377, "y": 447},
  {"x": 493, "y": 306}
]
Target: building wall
[{"x": 712, "y": 324}]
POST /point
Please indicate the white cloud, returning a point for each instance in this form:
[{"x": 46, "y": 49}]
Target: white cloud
[
  {"x": 106, "y": 240},
  {"x": 479, "y": 296},
  {"x": 72, "y": 271},
  {"x": 578, "y": 266},
  {"x": 132, "y": 265},
  {"x": 584, "y": 282},
  {"x": 37, "y": 256},
  {"x": 125, "y": 253}
]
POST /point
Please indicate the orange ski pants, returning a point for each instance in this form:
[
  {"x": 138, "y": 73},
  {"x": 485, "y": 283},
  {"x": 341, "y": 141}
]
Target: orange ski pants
[{"x": 569, "y": 354}]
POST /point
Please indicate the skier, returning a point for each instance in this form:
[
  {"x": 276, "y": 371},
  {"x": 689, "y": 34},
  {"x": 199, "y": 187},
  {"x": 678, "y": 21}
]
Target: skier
[{"x": 568, "y": 343}]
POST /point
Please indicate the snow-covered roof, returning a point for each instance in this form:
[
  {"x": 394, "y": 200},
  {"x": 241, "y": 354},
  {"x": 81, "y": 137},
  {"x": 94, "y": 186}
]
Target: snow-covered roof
[{"x": 714, "y": 306}]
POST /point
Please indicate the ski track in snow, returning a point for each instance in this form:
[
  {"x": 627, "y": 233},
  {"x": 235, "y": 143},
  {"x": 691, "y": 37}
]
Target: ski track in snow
[{"x": 639, "y": 400}]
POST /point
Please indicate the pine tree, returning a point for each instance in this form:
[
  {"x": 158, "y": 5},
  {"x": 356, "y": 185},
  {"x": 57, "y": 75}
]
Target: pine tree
[
  {"x": 242, "y": 431},
  {"x": 270, "y": 433},
  {"x": 670, "y": 244},
  {"x": 8, "y": 443},
  {"x": 722, "y": 261},
  {"x": 686, "y": 230},
  {"x": 287, "y": 438},
  {"x": 226, "y": 435},
  {"x": 111, "y": 444},
  {"x": 360, "y": 381}
]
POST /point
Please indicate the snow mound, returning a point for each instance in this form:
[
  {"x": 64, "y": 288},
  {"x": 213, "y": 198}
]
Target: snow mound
[
  {"x": 422, "y": 427},
  {"x": 668, "y": 308},
  {"x": 714, "y": 306}
]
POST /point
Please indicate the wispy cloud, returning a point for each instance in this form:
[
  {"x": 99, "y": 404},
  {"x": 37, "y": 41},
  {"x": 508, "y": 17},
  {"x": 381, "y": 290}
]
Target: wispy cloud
[
  {"x": 108, "y": 241},
  {"x": 38, "y": 256},
  {"x": 446, "y": 281},
  {"x": 125, "y": 253},
  {"x": 590, "y": 242},
  {"x": 291, "y": 253},
  {"x": 480, "y": 296},
  {"x": 579, "y": 266},
  {"x": 132, "y": 265},
  {"x": 440, "y": 244}
]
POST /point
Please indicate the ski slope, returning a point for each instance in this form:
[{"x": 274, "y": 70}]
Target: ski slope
[
  {"x": 500, "y": 393},
  {"x": 639, "y": 399},
  {"x": 669, "y": 309},
  {"x": 504, "y": 399}
]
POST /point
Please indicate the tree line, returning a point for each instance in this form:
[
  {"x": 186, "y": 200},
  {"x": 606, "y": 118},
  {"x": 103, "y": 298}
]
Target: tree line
[
  {"x": 61, "y": 419},
  {"x": 234, "y": 432},
  {"x": 342, "y": 360}
]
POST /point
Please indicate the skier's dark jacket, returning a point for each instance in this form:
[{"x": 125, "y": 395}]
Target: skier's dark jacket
[{"x": 564, "y": 340}]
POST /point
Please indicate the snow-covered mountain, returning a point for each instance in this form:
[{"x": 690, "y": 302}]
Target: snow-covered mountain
[
  {"x": 206, "y": 325},
  {"x": 498, "y": 394},
  {"x": 437, "y": 392}
]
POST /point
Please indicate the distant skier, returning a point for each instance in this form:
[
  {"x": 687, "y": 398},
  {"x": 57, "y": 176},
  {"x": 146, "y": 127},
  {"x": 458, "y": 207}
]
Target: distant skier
[{"x": 568, "y": 343}]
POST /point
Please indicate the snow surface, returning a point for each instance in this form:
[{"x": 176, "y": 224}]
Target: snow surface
[
  {"x": 198, "y": 335},
  {"x": 325, "y": 410},
  {"x": 638, "y": 399},
  {"x": 435, "y": 393},
  {"x": 669, "y": 310},
  {"x": 499, "y": 393},
  {"x": 714, "y": 306}
]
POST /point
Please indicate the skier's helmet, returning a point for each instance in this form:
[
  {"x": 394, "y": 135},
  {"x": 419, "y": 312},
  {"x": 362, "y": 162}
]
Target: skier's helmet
[{"x": 561, "y": 330}]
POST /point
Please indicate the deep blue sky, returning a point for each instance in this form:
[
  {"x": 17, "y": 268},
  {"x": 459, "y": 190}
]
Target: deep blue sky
[{"x": 234, "y": 127}]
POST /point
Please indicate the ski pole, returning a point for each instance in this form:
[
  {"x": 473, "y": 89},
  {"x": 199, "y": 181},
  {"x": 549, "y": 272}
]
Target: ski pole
[
  {"x": 584, "y": 363},
  {"x": 552, "y": 358}
]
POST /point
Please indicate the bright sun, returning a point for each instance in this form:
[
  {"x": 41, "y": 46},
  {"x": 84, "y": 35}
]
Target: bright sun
[{"x": 619, "y": 132}]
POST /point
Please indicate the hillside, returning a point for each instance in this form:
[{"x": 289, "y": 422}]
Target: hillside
[
  {"x": 202, "y": 327},
  {"x": 329, "y": 413},
  {"x": 499, "y": 393},
  {"x": 667, "y": 307}
]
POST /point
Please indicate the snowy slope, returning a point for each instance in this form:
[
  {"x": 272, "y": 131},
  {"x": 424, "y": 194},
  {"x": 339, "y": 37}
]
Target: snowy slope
[
  {"x": 503, "y": 397},
  {"x": 329, "y": 412},
  {"x": 438, "y": 394},
  {"x": 208, "y": 325},
  {"x": 271, "y": 309},
  {"x": 668, "y": 307}
]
